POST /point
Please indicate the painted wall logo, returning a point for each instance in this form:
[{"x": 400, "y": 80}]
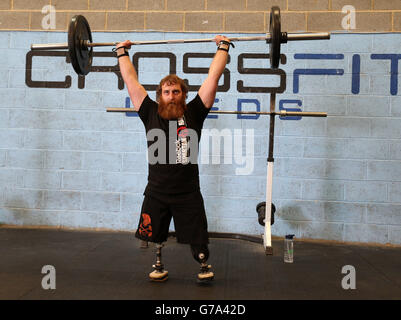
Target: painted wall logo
[{"x": 190, "y": 58}]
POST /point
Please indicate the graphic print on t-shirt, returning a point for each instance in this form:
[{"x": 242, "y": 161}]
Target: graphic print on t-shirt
[{"x": 181, "y": 144}]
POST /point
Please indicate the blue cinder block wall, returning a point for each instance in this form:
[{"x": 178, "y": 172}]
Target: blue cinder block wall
[{"x": 65, "y": 162}]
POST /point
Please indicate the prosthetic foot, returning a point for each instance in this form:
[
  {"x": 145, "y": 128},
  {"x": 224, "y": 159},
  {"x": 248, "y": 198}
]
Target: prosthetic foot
[
  {"x": 205, "y": 275},
  {"x": 158, "y": 274}
]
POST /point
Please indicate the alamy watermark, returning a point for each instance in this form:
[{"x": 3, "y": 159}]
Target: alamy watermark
[
  {"x": 49, "y": 20},
  {"x": 234, "y": 151},
  {"x": 49, "y": 280},
  {"x": 349, "y": 21},
  {"x": 349, "y": 281},
  {"x": 183, "y": 147}
]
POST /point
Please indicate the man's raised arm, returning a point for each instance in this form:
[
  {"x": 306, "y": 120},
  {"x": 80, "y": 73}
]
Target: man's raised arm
[
  {"x": 136, "y": 91},
  {"x": 207, "y": 91}
]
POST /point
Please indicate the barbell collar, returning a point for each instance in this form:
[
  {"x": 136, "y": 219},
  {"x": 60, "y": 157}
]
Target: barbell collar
[
  {"x": 284, "y": 37},
  {"x": 308, "y": 36},
  {"x": 49, "y": 46}
]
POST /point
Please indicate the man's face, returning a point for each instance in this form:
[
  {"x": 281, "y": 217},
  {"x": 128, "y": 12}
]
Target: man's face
[{"x": 172, "y": 102}]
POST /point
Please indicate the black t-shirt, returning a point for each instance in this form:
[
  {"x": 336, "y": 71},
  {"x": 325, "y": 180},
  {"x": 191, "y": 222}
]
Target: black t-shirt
[{"x": 172, "y": 174}]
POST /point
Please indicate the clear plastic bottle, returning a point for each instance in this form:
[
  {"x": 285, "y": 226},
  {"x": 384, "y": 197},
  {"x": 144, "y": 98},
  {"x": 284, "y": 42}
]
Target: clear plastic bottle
[{"x": 289, "y": 248}]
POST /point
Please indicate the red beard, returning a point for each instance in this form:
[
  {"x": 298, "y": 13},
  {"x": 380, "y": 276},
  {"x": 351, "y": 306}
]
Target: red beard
[{"x": 172, "y": 110}]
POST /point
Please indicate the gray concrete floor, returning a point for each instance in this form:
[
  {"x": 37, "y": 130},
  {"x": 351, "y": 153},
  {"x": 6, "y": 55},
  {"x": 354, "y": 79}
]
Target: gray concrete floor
[{"x": 106, "y": 265}]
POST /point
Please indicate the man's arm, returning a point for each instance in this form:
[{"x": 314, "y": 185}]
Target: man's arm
[
  {"x": 136, "y": 91},
  {"x": 207, "y": 91}
]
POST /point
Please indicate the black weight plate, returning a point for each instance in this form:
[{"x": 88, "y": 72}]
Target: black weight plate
[
  {"x": 261, "y": 210},
  {"x": 275, "y": 40},
  {"x": 81, "y": 56}
]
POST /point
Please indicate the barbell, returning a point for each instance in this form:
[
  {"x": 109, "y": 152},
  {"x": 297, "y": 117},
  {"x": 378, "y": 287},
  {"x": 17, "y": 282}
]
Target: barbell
[
  {"x": 80, "y": 45},
  {"x": 282, "y": 113}
]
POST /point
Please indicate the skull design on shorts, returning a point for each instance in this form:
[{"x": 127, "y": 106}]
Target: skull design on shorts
[{"x": 145, "y": 228}]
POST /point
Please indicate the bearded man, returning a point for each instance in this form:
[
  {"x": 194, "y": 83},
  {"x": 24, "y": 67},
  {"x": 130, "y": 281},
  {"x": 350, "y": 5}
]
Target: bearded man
[{"x": 173, "y": 189}]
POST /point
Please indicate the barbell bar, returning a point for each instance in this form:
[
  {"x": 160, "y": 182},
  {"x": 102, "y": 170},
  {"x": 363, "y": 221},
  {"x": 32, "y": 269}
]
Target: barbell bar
[
  {"x": 282, "y": 113},
  {"x": 80, "y": 45},
  {"x": 86, "y": 44}
]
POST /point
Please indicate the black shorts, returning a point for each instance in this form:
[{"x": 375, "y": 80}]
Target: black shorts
[{"x": 187, "y": 210}]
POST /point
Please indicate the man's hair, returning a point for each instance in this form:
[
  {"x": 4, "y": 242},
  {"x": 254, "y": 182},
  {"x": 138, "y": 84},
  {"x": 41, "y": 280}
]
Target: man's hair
[{"x": 169, "y": 80}]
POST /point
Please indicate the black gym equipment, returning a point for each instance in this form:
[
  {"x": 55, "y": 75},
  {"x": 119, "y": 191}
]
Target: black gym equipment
[
  {"x": 80, "y": 45},
  {"x": 79, "y": 32},
  {"x": 261, "y": 210},
  {"x": 276, "y": 37}
]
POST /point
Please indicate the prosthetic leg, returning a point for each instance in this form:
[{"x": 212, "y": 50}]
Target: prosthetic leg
[
  {"x": 158, "y": 274},
  {"x": 205, "y": 275},
  {"x": 201, "y": 254}
]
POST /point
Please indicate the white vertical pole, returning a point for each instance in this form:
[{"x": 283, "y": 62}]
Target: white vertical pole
[{"x": 267, "y": 239}]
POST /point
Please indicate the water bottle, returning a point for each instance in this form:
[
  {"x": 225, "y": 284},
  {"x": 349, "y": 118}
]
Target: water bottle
[{"x": 289, "y": 248}]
